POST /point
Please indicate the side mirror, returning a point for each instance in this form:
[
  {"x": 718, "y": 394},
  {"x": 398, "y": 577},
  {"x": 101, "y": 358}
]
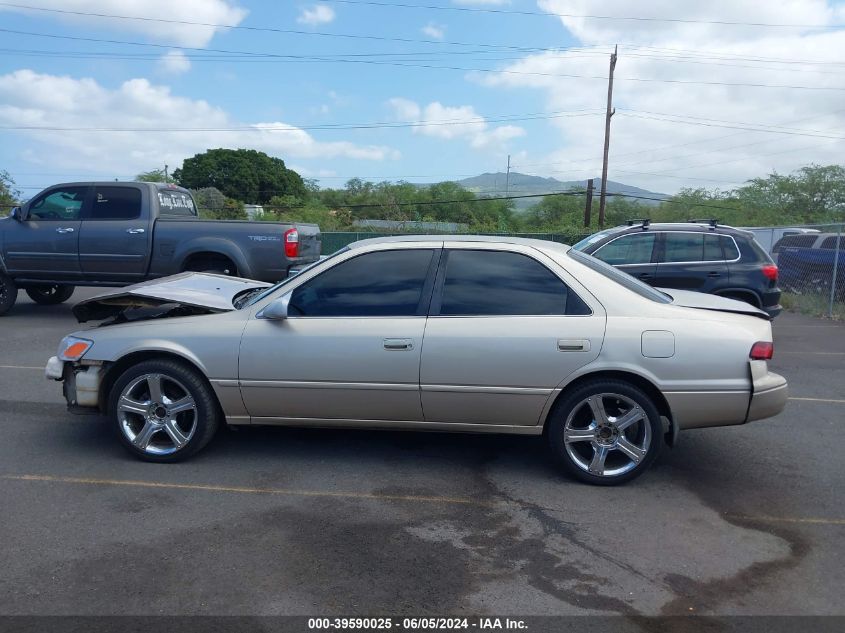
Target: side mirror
[
  {"x": 277, "y": 310},
  {"x": 16, "y": 214}
]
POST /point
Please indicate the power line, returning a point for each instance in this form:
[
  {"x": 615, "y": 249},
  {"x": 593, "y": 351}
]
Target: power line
[
  {"x": 556, "y": 14},
  {"x": 326, "y": 126},
  {"x": 442, "y": 67}
]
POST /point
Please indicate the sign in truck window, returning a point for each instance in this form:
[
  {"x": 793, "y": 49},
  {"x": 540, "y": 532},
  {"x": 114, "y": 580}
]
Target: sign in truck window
[{"x": 176, "y": 203}]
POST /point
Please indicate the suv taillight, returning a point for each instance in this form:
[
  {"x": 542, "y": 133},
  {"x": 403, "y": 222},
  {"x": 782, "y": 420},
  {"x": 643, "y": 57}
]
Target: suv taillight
[
  {"x": 292, "y": 243},
  {"x": 771, "y": 272},
  {"x": 762, "y": 350}
]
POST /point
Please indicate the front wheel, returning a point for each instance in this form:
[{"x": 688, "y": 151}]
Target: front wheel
[
  {"x": 605, "y": 432},
  {"x": 8, "y": 293},
  {"x": 163, "y": 410},
  {"x": 50, "y": 295}
]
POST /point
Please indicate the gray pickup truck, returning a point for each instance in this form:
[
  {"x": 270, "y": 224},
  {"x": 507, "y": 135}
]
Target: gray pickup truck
[{"x": 120, "y": 233}]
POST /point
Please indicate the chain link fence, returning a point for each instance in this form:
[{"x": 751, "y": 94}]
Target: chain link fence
[{"x": 811, "y": 266}]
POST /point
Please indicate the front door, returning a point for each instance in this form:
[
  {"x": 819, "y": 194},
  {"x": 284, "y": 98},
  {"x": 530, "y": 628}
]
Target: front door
[
  {"x": 350, "y": 347},
  {"x": 115, "y": 238},
  {"x": 503, "y": 333},
  {"x": 46, "y": 244}
]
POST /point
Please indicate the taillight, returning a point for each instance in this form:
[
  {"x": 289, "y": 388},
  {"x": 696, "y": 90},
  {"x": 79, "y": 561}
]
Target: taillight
[
  {"x": 762, "y": 350},
  {"x": 292, "y": 243},
  {"x": 771, "y": 272}
]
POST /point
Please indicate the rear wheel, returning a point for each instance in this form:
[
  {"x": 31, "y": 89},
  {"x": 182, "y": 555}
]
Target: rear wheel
[
  {"x": 163, "y": 410},
  {"x": 50, "y": 295},
  {"x": 216, "y": 264},
  {"x": 8, "y": 293},
  {"x": 605, "y": 432}
]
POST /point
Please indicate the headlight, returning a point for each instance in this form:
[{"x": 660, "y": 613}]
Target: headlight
[{"x": 72, "y": 348}]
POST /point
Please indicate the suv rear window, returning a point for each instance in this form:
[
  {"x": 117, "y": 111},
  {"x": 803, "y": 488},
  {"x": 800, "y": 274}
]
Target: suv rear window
[{"x": 830, "y": 242}]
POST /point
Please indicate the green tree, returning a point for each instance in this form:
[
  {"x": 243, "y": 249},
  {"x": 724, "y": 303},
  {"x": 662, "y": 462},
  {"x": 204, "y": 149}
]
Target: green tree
[
  {"x": 154, "y": 175},
  {"x": 213, "y": 205},
  {"x": 9, "y": 195},
  {"x": 242, "y": 174}
]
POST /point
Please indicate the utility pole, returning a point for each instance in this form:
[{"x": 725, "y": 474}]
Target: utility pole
[
  {"x": 166, "y": 178},
  {"x": 609, "y": 113},
  {"x": 588, "y": 208},
  {"x": 508, "y": 177}
]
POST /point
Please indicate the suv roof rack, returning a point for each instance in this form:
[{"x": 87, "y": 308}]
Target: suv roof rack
[
  {"x": 713, "y": 222},
  {"x": 643, "y": 221}
]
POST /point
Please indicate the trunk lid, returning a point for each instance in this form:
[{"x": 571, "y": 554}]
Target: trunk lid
[
  {"x": 203, "y": 292},
  {"x": 702, "y": 301}
]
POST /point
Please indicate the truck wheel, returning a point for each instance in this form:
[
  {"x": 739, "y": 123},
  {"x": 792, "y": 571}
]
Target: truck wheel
[
  {"x": 50, "y": 295},
  {"x": 8, "y": 293}
]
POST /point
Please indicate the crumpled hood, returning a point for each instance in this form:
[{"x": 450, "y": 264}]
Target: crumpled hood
[
  {"x": 690, "y": 299},
  {"x": 213, "y": 293}
]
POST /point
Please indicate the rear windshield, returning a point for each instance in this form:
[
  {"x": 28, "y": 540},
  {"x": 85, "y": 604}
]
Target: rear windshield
[
  {"x": 174, "y": 202},
  {"x": 795, "y": 241},
  {"x": 622, "y": 278}
]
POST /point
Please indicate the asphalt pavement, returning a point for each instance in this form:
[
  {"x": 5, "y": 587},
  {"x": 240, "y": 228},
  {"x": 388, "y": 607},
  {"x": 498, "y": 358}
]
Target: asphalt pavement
[{"x": 741, "y": 520}]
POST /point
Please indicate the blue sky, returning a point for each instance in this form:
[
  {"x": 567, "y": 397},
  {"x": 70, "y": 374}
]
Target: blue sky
[{"x": 666, "y": 135}]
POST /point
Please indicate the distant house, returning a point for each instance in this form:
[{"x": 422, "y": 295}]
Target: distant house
[
  {"x": 410, "y": 225},
  {"x": 253, "y": 210}
]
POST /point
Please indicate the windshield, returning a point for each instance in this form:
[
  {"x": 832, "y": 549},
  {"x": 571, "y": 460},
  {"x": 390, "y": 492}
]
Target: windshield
[
  {"x": 592, "y": 239},
  {"x": 254, "y": 296},
  {"x": 623, "y": 278}
]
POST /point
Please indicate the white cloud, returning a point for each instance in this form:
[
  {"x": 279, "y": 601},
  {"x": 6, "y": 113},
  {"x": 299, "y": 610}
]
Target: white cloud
[
  {"x": 316, "y": 14},
  {"x": 209, "y": 12},
  {"x": 453, "y": 122},
  {"x": 689, "y": 154},
  {"x": 434, "y": 31},
  {"x": 33, "y": 99},
  {"x": 174, "y": 63}
]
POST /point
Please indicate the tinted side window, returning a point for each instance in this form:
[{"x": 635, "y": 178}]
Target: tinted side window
[
  {"x": 729, "y": 247},
  {"x": 490, "y": 283},
  {"x": 684, "y": 247},
  {"x": 176, "y": 203},
  {"x": 830, "y": 242},
  {"x": 385, "y": 283},
  {"x": 116, "y": 203},
  {"x": 629, "y": 249},
  {"x": 59, "y": 204},
  {"x": 713, "y": 248}
]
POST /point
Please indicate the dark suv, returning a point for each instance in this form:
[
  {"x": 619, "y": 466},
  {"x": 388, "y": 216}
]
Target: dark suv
[{"x": 699, "y": 255}]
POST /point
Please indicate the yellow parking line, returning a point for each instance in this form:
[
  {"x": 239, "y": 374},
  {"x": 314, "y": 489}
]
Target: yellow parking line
[
  {"x": 771, "y": 519},
  {"x": 248, "y": 490},
  {"x": 830, "y": 400}
]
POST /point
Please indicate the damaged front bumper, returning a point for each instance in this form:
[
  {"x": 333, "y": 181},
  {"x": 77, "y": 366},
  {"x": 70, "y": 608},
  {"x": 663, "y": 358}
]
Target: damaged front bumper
[{"x": 80, "y": 383}]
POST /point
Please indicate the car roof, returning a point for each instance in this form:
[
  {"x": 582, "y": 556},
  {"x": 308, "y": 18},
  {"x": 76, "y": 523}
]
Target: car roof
[
  {"x": 698, "y": 227},
  {"x": 112, "y": 183},
  {"x": 487, "y": 239}
]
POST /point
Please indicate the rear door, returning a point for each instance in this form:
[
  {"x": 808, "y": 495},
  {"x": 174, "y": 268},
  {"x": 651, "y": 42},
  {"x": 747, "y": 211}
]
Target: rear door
[
  {"x": 691, "y": 261},
  {"x": 634, "y": 253},
  {"x": 504, "y": 331},
  {"x": 114, "y": 241},
  {"x": 45, "y": 245}
]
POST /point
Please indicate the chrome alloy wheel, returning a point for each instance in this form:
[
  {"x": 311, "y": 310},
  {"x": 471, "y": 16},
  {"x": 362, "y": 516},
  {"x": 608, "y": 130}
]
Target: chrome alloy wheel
[
  {"x": 607, "y": 434},
  {"x": 157, "y": 414}
]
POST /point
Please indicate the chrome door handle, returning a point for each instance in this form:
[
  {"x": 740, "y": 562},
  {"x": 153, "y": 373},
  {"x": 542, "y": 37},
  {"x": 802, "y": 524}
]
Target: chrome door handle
[
  {"x": 398, "y": 344},
  {"x": 573, "y": 345},
  {"x": 64, "y": 229},
  {"x": 134, "y": 231}
]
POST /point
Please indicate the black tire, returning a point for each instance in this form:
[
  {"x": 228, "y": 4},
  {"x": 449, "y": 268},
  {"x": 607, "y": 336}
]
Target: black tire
[
  {"x": 50, "y": 295},
  {"x": 618, "y": 398},
  {"x": 8, "y": 293},
  {"x": 175, "y": 376}
]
